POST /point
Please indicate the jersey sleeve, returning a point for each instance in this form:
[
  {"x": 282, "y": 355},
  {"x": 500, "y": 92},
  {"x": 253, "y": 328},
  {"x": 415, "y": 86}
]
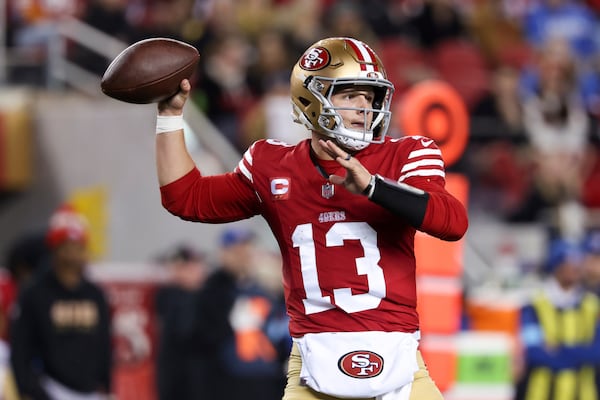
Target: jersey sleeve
[
  {"x": 445, "y": 216},
  {"x": 213, "y": 199}
]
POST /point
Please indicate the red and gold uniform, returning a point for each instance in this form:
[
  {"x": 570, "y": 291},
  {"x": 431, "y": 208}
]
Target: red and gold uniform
[{"x": 348, "y": 264}]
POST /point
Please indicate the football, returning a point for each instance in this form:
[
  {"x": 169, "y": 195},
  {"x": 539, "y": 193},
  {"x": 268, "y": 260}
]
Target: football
[{"x": 149, "y": 71}]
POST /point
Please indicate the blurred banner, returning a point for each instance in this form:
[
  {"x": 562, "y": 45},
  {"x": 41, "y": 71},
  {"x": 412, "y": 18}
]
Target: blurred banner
[
  {"x": 16, "y": 144},
  {"x": 92, "y": 203}
]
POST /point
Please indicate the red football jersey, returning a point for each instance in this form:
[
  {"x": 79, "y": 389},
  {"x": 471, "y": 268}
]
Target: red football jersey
[{"x": 348, "y": 264}]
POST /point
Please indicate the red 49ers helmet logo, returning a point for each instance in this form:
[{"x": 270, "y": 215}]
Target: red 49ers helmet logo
[
  {"x": 361, "y": 364},
  {"x": 315, "y": 59}
]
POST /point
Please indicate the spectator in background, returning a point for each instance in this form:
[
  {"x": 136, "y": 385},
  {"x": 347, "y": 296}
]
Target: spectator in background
[
  {"x": 27, "y": 256},
  {"x": 557, "y": 127},
  {"x": 385, "y": 17},
  {"x": 235, "y": 315},
  {"x": 60, "y": 329},
  {"x": 560, "y": 332},
  {"x": 33, "y": 27},
  {"x": 252, "y": 16},
  {"x": 345, "y": 18},
  {"x": 498, "y": 35},
  {"x": 302, "y": 21},
  {"x": 271, "y": 58},
  {"x": 495, "y": 158},
  {"x": 161, "y": 19},
  {"x": 566, "y": 19},
  {"x": 591, "y": 262},
  {"x": 225, "y": 92},
  {"x": 435, "y": 22},
  {"x": 108, "y": 16},
  {"x": 270, "y": 117},
  {"x": 181, "y": 367},
  {"x": 562, "y": 35}
]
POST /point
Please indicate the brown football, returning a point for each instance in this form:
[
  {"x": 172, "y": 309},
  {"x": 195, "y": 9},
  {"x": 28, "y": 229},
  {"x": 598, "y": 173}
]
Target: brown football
[{"x": 149, "y": 71}]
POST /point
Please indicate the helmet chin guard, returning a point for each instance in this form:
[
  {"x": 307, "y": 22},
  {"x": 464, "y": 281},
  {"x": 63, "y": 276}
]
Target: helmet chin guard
[{"x": 349, "y": 143}]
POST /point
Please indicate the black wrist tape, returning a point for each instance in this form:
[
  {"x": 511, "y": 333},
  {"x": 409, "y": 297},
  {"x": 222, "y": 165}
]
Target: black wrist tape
[{"x": 401, "y": 199}]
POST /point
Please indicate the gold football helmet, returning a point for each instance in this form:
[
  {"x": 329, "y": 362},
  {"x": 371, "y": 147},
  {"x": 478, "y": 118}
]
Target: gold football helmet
[{"x": 325, "y": 67}]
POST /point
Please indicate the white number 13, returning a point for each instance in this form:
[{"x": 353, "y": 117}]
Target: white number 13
[{"x": 368, "y": 265}]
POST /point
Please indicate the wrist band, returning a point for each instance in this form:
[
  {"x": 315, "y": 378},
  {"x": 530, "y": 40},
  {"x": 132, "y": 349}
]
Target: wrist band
[
  {"x": 168, "y": 123},
  {"x": 370, "y": 187}
]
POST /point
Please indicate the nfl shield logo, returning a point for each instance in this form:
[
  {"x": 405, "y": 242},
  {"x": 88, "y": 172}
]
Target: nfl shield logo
[{"x": 327, "y": 190}]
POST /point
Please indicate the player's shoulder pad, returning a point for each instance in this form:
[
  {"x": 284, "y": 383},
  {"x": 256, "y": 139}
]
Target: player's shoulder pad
[
  {"x": 420, "y": 157},
  {"x": 418, "y": 141},
  {"x": 415, "y": 146},
  {"x": 269, "y": 145},
  {"x": 266, "y": 150}
]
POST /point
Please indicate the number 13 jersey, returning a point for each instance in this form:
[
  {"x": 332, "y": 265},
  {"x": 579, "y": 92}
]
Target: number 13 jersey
[{"x": 348, "y": 264}]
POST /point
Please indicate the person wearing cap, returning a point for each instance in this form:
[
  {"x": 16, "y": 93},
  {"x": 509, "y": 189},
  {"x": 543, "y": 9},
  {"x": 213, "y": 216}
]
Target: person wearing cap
[
  {"x": 236, "y": 316},
  {"x": 560, "y": 332},
  {"x": 60, "y": 328}
]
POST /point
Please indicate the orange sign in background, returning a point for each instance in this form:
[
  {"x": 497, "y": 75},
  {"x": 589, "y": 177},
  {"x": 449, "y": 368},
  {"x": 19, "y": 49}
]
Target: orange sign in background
[
  {"x": 16, "y": 142},
  {"x": 435, "y": 109}
]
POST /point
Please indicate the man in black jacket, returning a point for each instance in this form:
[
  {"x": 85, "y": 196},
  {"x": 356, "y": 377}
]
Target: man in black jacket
[
  {"x": 181, "y": 366},
  {"x": 60, "y": 328},
  {"x": 243, "y": 326}
]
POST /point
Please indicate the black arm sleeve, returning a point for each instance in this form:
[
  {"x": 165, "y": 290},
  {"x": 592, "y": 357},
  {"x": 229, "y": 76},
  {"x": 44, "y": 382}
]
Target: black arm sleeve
[{"x": 403, "y": 200}]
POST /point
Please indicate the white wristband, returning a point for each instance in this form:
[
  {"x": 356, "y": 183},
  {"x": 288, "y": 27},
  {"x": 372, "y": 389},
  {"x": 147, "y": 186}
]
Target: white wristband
[{"x": 168, "y": 123}]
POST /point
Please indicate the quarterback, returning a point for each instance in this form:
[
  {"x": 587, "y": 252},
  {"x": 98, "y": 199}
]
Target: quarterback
[{"x": 343, "y": 206}]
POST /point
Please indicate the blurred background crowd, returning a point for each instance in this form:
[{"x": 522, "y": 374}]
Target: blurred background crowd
[{"x": 528, "y": 72}]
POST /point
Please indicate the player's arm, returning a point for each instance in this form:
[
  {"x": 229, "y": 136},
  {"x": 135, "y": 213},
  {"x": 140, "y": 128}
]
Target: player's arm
[
  {"x": 433, "y": 211},
  {"x": 173, "y": 161},
  {"x": 184, "y": 191},
  {"x": 429, "y": 208}
]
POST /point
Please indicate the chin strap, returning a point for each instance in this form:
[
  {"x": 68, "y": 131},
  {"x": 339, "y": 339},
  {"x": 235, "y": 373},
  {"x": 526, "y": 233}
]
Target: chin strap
[{"x": 401, "y": 199}]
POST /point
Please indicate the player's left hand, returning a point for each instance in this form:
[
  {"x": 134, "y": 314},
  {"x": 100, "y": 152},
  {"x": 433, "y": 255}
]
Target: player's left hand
[{"x": 357, "y": 176}]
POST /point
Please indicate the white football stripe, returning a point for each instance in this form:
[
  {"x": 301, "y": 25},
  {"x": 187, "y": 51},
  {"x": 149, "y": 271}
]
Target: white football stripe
[
  {"x": 425, "y": 152},
  {"x": 248, "y": 157},
  {"x": 423, "y": 172},
  {"x": 245, "y": 171},
  {"x": 421, "y": 163},
  {"x": 365, "y": 54}
]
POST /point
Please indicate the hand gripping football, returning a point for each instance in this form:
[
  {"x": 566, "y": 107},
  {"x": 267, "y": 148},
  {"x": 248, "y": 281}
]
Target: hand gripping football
[{"x": 149, "y": 71}]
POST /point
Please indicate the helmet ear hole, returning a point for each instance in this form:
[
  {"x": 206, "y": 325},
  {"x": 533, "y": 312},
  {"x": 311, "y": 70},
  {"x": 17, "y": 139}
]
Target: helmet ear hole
[{"x": 305, "y": 102}]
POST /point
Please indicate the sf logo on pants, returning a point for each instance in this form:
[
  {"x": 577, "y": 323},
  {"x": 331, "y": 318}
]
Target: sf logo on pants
[{"x": 361, "y": 364}]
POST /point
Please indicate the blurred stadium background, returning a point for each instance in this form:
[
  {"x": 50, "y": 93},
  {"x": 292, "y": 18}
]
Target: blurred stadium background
[{"x": 62, "y": 140}]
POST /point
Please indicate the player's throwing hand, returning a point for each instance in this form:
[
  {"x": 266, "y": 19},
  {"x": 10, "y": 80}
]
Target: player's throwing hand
[{"x": 174, "y": 105}]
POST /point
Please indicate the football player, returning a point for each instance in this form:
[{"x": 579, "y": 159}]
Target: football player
[{"x": 344, "y": 206}]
